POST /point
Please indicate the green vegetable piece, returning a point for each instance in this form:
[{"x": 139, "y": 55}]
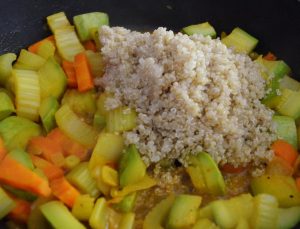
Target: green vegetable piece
[
  {"x": 81, "y": 178},
  {"x": 84, "y": 23},
  {"x": 83, "y": 207},
  {"x": 223, "y": 216},
  {"x": 205, "y": 212},
  {"x": 121, "y": 119},
  {"x": 82, "y": 103},
  {"x": 46, "y": 49},
  {"x": 71, "y": 161},
  {"x": 36, "y": 219},
  {"x": 6, "y": 204},
  {"x": 213, "y": 178},
  {"x": 20, "y": 193},
  {"x": 282, "y": 187},
  {"x": 47, "y": 111},
  {"x": 156, "y": 216},
  {"x": 17, "y": 131},
  {"x": 183, "y": 212},
  {"x": 53, "y": 80},
  {"x": 9, "y": 93},
  {"x": 101, "y": 101},
  {"x": 57, "y": 21},
  {"x": 240, "y": 40},
  {"x": 6, "y": 105},
  {"x": 127, "y": 221},
  {"x": 204, "y": 28},
  {"x": 96, "y": 63},
  {"x": 289, "y": 103},
  {"x": 127, "y": 204},
  {"x": 286, "y": 129},
  {"x": 98, "y": 218},
  {"x": 59, "y": 216},
  {"x": 197, "y": 178},
  {"x": 265, "y": 212},
  {"x": 29, "y": 61},
  {"x": 242, "y": 224},
  {"x": 288, "y": 217},
  {"x": 22, "y": 157},
  {"x": 6, "y": 61},
  {"x": 99, "y": 121},
  {"x": 95, "y": 36},
  {"x": 289, "y": 83},
  {"x": 205, "y": 223},
  {"x": 241, "y": 206},
  {"x": 132, "y": 168}
]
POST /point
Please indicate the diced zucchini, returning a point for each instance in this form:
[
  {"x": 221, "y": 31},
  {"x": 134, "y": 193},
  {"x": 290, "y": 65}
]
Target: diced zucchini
[
  {"x": 240, "y": 40},
  {"x": 6, "y": 204},
  {"x": 81, "y": 178},
  {"x": 6, "y": 106},
  {"x": 17, "y": 131},
  {"x": 29, "y": 61},
  {"x": 156, "y": 216},
  {"x": 83, "y": 207},
  {"x": 127, "y": 221},
  {"x": 289, "y": 103},
  {"x": 204, "y": 28},
  {"x": 75, "y": 128},
  {"x": 59, "y": 216},
  {"x": 286, "y": 129},
  {"x": 46, "y": 49},
  {"x": 121, "y": 119},
  {"x": 98, "y": 218},
  {"x": 28, "y": 94},
  {"x": 22, "y": 157},
  {"x": 288, "y": 217},
  {"x": 289, "y": 83},
  {"x": 86, "y": 22},
  {"x": 67, "y": 43},
  {"x": 57, "y": 21},
  {"x": 53, "y": 80},
  {"x": 6, "y": 61},
  {"x": 96, "y": 63}
]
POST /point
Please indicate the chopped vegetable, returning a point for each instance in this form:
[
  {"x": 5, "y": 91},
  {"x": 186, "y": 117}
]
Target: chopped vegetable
[
  {"x": 29, "y": 61},
  {"x": 298, "y": 183},
  {"x": 289, "y": 103},
  {"x": 6, "y": 203},
  {"x": 109, "y": 176},
  {"x": 204, "y": 28},
  {"x": 228, "y": 168},
  {"x": 90, "y": 45},
  {"x": 6, "y": 61},
  {"x": 57, "y": 21},
  {"x": 21, "y": 211},
  {"x": 270, "y": 56},
  {"x": 205, "y": 223},
  {"x": 71, "y": 161},
  {"x": 3, "y": 150},
  {"x": 6, "y": 106},
  {"x": 289, "y": 83},
  {"x": 35, "y": 47},
  {"x": 98, "y": 218},
  {"x": 22, "y": 157},
  {"x": 288, "y": 217},
  {"x": 83, "y": 207},
  {"x": 127, "y": 203},
  {"x": 46, "y": 49},
  {"x": 96, "y": 63},
  {"x": 36, "y": 219},
  {"x": 47, "y": 111},
  {"x": 279, "y": 166},
  {"x": 284, "y": 150},
  {"x": 70, "y": 72},
  {"x": 84, "y": 76},
  {"x": 127, "y": 221}
]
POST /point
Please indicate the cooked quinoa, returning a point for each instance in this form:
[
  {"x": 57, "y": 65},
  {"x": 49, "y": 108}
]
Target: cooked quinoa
[{"x": 191, "y": 94}]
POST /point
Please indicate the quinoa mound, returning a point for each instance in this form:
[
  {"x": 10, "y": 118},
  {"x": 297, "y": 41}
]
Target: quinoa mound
[{"x": 191, "y": 94}]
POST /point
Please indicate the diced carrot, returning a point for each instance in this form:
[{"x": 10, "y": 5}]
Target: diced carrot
[
  {"x": 270, "y": 56},
  {"x": 84, "y": 76},
  {"x": 228, "y": 168},
  {"x": 298, "y": 183},
  {"x": 3, "y": 150},
  {"x": 70, "y": 72},
  {"x": 48, "y": 149},
  {"x": 64, "y": 191},
  {"x": 34, "y": 47},
  {"x": 21, "y": 211},
  {"x": 69, "y": 146},
  {"x": 50, "y": 170},
  {"x": 15, "y": 174},
  {"x": 90, "y": 45},
  {"x": 285, "y": 150}
]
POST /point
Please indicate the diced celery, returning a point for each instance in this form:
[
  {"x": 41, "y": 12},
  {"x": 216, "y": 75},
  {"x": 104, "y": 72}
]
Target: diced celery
[
  {"x": 59, "y": 216},
  {"x": 96, "y": 63},
  {"x": 57, "y": 21},
  {"x": 107, "y": 150},
  {"x": 204, "y": 28},
  {"x": 67, "y": 42},
  {"x": 47, "y": 111},
  {"x": 286, "y": 129},
  {"x": 27, "y": 94},
  {"x": 127, "y": 221},
  {"x": 104, "y": 188},
  {"x": 53, "y": 79},
  {"x": 17, "y": 131},
  {"x": 98, "y": 218},
  {"x": 205, "y": 223},
  {"x": 109, "y": 176},
  {"x": 46, "y": 49},
  {"x": 95, "y": 36},
  {"x": 6, "y": 203},
  {"x": 82, "y": 103},
  {"x": 205, "y": 212},
  {"x": 22, "y": 157},
  {"x": 101, "y": 101},
  {"x": 222, "y": 215},
  {"x": 289, "y": 103},
  {"x": 288, "y": 217},
  {"x": 6, "y": 105},
  {"x": 265, "y": 212},
  {"x": 81, "y": 178},
  {"x": 83, "y": 207},
  {"x": 75, "y": 128},
  {"x": 99, "y": 121},
  {"x": 127, "y": 203},
  {"x": 36, "y": 219},
  {"x": 6, "y": 61},
  {"x": 71, "y": 161},
  {"x": 20, "y": 193},
  {"x": 289, "y": 83},
  {"x": 9, "y": 93},
  {"x": 121, "y": 119},
  {"x": 29, "y": 61},
  {"x": 86, "y": 22},
  {"x": 240, "y": 40}
]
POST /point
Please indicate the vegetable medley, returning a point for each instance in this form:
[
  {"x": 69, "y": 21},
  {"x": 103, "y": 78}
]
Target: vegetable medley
[{"x": 64, "y": 163}]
